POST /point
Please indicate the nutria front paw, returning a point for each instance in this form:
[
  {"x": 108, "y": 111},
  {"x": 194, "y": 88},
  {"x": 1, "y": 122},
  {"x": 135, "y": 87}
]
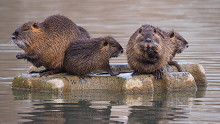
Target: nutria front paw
[
  {"x": 20, "y": 55},
  {"x": 154, "y": 60},
  {"x": 158, "y": 74},
  {"x": 153, "y": 54}
]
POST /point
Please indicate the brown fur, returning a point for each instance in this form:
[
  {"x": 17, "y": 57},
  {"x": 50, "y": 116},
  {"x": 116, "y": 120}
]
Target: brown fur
[
  {"x": 45, "y": 43},
  {"x": 141, "y": 59},
  {"x": 84, "y": 32},
  {"x": 175, "y": 38},
  {"x": 87, "y": 55},
  {"x": 180, "y": 44}
]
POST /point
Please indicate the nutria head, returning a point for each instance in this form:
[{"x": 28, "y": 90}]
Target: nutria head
[
  {"x": 111, "y": 46},
  {"x": 147, "y": 38},
  {"x": 180, "y": 43},
  {"x": 55, "y": 28},
  {"x": 28, "y": 33}
]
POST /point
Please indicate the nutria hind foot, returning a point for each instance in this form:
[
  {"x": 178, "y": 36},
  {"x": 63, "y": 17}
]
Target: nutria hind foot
[
  {"x": 135, "y": 73},
  {"x": 84, "y": 76},
  {"x": 114, "y": 73},
  {"x": 109, "y": 70},
  {"x": 158, "y": 74},
  {"x": 49, "y": 72},
  {"x": 41, "y": 71},
  {"x": 175, "y": 63}
]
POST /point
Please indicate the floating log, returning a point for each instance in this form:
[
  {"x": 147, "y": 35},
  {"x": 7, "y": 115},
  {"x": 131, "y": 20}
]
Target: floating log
[{"x": 172, "y": 81}]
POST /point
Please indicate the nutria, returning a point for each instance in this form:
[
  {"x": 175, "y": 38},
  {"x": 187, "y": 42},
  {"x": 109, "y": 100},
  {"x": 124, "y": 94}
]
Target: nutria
[
  {"x": 84, "y": 32},
  {"x": 180, "y": 44},
  {"x": 148, "y": 52},
  {"x": 45, "y": 43},
  {"x": 86, "y": 55}
]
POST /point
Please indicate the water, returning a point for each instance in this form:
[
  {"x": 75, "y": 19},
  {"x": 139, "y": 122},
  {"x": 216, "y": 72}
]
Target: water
[{"x": 198, "y": 21}]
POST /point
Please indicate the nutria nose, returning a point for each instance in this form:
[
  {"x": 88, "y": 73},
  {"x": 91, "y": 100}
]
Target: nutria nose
[
  {"x": 13, "y": 37},
  {"x": 122, "y": 51},
  {"x": 187, "y": 46},
  {"x": 148, "y": 40}
]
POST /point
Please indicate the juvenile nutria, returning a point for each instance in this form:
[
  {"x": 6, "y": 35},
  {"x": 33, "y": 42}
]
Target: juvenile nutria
[
  {"x": 45, "y": 43},
  {"x": 180, "y": 44},
  {"x": 148, "y": 52},
  {"x": 86, "y": 55}
]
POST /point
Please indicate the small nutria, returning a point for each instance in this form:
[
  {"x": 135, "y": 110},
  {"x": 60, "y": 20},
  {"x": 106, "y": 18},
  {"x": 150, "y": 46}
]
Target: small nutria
[
  {"x": 45, "y": 43},
  {"x": 148, "y": 52},
  {"x": 86, "y": 55},
  {"x": 180, "y": 44}
]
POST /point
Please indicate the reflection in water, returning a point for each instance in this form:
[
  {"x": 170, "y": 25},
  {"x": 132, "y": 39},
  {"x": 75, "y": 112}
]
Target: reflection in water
[{"x": 103, "y": 107}]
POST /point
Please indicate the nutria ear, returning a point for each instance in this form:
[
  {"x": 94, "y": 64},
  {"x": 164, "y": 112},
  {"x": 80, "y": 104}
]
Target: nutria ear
[{"x": 172, "y": 34}]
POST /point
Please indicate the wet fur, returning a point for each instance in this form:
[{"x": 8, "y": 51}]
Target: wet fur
[
  {"x": 87, "y": 55},
  {"x": 47, "y": 40},
  {"x": 180, "y": 44},
  {"x": 136, "y": 55}
]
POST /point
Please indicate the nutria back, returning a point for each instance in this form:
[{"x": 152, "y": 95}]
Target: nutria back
[
  {"x": 148, "y": 50},
  {"x": 47, "y": 40},
  {"x": 86, "y": 55},
  {"x": 84, "y": 32}
]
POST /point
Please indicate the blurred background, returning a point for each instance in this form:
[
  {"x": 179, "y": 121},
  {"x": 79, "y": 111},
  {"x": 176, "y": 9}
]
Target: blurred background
[{"x": 197, "y": 21}]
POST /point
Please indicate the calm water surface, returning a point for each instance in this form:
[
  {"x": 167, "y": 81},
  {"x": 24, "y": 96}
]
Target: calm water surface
[{"x": 198, "y": 21}]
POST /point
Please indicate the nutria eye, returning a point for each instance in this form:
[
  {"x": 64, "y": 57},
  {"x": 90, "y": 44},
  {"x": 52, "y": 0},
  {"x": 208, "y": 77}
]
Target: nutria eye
[
  {"x": 172, "y": 35},
  {"x": 140, "y": 30},
  {"x": 155, "y": 31},
  {"x": 35, "y": 25},
  {"x": 105, "y": 43}
]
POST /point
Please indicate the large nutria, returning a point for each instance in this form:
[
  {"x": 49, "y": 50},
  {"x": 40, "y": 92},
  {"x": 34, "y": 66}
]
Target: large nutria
[
  {"x": 84, "y": 32},
  {"x": 180, "y": 44},
  {"x": 148, "y": 52},
  {"x": 86, "y": 55},
  {"x": 45, "y": 43}
]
